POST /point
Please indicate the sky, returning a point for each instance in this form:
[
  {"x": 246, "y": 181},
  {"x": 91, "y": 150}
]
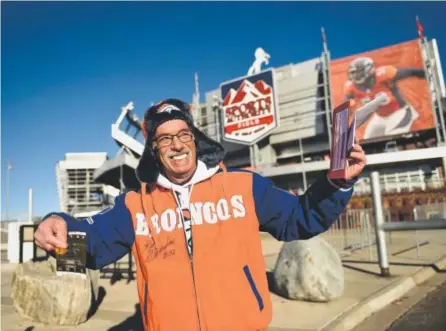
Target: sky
[{"x": 68, "y": 67}]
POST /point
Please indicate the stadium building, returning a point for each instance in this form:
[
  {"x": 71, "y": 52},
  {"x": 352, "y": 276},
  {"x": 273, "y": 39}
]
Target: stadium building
[
  {"x": 279, "y": 123},
  {"x": 79, "y": 194}
]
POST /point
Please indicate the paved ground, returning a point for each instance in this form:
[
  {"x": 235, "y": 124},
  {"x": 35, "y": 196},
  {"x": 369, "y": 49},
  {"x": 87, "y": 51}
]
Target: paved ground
[
  {"x": 428, "y": 314},
  {"x": 119, "y": 311},
  {"x": 383, "y": 319}
]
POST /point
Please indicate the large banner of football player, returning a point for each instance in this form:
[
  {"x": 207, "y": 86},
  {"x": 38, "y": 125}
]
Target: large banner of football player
[{"x": 393, "y": 80}]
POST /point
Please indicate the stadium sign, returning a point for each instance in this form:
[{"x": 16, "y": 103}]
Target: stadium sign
[{"x": 250, "y": 110}]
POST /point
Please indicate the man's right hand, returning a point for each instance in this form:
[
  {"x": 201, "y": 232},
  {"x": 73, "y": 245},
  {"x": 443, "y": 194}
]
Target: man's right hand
[{"x": 51, "y": 233}]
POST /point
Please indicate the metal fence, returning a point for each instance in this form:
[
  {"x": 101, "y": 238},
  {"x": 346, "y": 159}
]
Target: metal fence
[
  {"x": 355, "y": 231},
  {"x": 433, "y": 211}
]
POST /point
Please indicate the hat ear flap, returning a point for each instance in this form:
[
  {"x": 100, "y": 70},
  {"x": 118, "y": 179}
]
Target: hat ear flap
[{"x": 148, "y": 167}]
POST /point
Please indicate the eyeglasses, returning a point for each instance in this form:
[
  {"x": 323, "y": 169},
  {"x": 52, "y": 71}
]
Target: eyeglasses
[{"x": 166, "y": 140}]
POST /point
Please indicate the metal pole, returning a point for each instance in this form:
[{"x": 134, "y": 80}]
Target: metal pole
[
  {"x": 426, "y": 64},
  {"x": 416, "y": 233},
  {"x": 253, "y": 153},
  {"x": 379, "y": 221},
  {"x": 217, "y": 121},
  {"x": 437, "y": 84},
  {"x": 30, "y": 205},
  {"x": 257, "y": 154},
  {"x": 419, "y": 225},
  {"x": 8, "y": 169},
  {"x": 34, "y": 244},
  {"x": 21, "y": 238},
  {"x": 327, "y": 84}
]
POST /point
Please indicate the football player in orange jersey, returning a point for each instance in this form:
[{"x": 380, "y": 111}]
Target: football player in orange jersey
[{"x": 378, "y": 88}]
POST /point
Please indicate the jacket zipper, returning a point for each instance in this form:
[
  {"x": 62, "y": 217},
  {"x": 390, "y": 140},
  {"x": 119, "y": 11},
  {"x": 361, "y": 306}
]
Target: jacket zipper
[
  {"x": 191, "y": 259},
  {"x": 195, "y": 291}
]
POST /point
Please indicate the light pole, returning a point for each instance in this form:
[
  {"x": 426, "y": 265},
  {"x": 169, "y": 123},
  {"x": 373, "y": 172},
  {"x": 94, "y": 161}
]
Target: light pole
[
  {"x": 8, "y": 170},
  {"x": 217, "y": 107}
]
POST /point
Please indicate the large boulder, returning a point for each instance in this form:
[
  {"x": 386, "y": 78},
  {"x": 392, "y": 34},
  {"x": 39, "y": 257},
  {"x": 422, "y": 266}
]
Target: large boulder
[
  {"x": 42, "y": 296},
  {"x": 309, "y": 270}
]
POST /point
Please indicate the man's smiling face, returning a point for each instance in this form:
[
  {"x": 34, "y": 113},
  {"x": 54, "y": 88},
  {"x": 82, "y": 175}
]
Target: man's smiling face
[{"x": 176, "y": 149}]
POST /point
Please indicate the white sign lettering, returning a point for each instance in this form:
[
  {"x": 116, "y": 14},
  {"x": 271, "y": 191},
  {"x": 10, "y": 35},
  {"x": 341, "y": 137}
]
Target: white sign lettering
[{"x": 207, "y": 213}]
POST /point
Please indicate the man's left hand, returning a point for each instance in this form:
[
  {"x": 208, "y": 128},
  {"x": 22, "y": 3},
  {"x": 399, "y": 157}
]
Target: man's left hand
[{"x": 356, "y": 161}]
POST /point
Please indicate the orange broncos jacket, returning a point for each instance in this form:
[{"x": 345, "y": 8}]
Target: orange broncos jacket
[{"x": 221, "y": 284}]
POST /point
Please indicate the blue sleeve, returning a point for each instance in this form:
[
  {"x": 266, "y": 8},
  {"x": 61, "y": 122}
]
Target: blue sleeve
[
  {"x": 110, "y": 233},
  {"x": 288, "y": 217}
]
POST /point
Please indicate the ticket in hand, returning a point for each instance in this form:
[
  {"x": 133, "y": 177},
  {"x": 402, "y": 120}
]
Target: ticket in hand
[
  {"x": 343, "y": 139},
  {"x": 73, "y": 259}
]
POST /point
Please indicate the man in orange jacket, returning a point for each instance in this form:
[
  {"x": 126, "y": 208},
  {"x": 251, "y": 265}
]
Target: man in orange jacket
[{"x": 193, "y": 228}]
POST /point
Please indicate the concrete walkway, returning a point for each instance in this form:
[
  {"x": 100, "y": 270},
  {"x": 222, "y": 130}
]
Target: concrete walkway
[{"x": 365, "y": 291}]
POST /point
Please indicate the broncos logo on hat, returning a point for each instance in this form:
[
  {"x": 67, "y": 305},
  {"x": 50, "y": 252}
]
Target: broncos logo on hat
[
  {"x": 161, "y": 107},
  {"x": 167, "y": 108}
]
